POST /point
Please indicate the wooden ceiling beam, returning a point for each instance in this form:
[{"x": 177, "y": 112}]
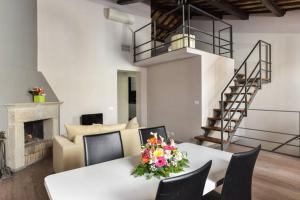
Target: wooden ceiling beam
[
  {"x": 270, "y": 5},
  {"x": 229, "y": 8},
  {"x": 125, "y": 2}
]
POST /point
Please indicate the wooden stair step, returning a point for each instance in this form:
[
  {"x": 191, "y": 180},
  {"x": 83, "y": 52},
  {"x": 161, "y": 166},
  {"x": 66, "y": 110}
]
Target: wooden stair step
[
  {"x": 230, "y": 101},
  {"x": 251, "y": 80},
  {"x": 236, "y": 93},
  {"x": 238, "y": 86},
  {"x": 202, "y": 138},
  {"x": 219, "y": 118},
  {"x": 232, "y": 110},
  {"x": 240, "y": 75},
  {"x": 215, "y": 128}
]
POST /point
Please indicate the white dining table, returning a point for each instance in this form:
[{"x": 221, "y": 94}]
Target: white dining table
[{"x": 112, "y": 180}]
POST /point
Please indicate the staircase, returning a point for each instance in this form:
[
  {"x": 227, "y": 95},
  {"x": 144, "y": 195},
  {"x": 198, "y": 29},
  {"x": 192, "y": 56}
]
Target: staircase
[{"x": 238, "y": 95}]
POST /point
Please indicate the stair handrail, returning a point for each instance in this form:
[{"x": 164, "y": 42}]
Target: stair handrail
[{"x": 245, "y": 87}]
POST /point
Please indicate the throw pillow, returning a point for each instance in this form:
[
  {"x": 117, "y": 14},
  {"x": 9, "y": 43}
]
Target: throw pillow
[
  {"x": 74, "y": 130},
  {"x": 110, "y": 127},
  {"x": 133, "y": 123}
]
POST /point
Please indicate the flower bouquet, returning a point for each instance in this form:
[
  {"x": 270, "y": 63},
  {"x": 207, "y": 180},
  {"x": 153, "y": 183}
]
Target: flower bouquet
[{"x": 159, "y": 159}]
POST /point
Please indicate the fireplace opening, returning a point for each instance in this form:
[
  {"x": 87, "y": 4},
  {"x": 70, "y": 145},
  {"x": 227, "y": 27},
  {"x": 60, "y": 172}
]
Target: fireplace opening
[{"x": 34, "y": 131}]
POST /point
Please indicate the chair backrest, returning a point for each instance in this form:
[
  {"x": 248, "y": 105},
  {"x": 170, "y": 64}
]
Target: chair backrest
[
  {"x": 90, "y": 119},
  {"x": 188, "y": 186},
  {"x": 102, "y": 147},
  {"x": 145, "y": 133},
  {"x": 238, "y": 178}
]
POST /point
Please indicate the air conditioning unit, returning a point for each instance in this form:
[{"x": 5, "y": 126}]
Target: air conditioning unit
[{"x": 119, "y": 16}]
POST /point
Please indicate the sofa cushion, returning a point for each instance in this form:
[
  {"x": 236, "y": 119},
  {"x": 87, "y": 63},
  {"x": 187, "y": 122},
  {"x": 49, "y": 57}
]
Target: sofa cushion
[
  {"x": 131, "y": 142},
  {"x": 111, "y": 127},
  {"x": 133, "y": 123},
  {"x": 74, "y": 130}
]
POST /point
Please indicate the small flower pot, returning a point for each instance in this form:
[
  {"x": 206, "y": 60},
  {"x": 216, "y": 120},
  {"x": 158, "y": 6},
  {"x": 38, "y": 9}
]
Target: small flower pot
[{"x": 39, "y": 99}]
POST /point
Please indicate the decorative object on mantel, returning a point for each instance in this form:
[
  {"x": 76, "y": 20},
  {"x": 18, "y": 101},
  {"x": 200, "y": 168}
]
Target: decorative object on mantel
[
  {"x": 160, "y": 159},
  {"x": 39, "y": 95},
  {"x": 5, "y": 172}
]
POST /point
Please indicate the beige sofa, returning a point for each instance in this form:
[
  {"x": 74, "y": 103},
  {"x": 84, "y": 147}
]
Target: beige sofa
[{"x": 68, "y": 151}]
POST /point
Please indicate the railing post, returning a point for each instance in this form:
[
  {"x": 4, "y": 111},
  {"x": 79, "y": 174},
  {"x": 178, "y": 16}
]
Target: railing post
[
  {"x": 231, "y": 43},
  {"x": 260, "y": 64},
  {"x": 189, "y": 25},
  {"x": 134, "y": 45},
  {"x": 267, "y": 61},
  {"x": 246, "y": 95},
  {"x": 219, "y": 35},
  {"x": 183, "y": 25},
  {"x": 270, "y": 57},
  {"x": 222, "y": 121},
  {"x": 154, "y": 36},
  {"x": 214, "y": 35}
]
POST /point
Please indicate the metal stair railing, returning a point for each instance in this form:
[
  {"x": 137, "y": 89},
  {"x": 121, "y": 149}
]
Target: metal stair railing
[{"x": 254, "y": 79}]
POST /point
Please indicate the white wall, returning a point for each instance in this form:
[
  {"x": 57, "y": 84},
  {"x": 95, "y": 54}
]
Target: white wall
[
  {"x": 172, "y": 89},
  {"x": 182, "y": 93},
  {"x": 216, "y": 71},
  {"x": 18, "y": 55},
  {"x": 283, "y": 92},
  {"x": 80, "y": 53}
]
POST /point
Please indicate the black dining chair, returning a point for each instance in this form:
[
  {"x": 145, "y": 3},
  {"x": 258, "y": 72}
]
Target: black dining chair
[
  {"x": 102, "y": 147},
  {"x": 189, "y": 186},
  {"x": 238, "y": 178},
  {"x": 145, "y": 133}
]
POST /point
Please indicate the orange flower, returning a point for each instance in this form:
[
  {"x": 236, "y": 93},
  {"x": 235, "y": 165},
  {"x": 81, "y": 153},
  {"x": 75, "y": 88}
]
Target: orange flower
[
  {"x": 152, "y": 140},
  {"x": 145, "y": 159}
]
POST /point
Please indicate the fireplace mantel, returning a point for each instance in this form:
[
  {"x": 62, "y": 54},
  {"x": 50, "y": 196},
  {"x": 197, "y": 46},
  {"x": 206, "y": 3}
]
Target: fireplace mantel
[
  {"x": 12, "y": 105},
  {"x": 18, "y": 114}
]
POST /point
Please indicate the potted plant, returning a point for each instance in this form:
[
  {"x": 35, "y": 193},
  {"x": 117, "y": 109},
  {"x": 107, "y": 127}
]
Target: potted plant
[{"x": 38, "y": 94}]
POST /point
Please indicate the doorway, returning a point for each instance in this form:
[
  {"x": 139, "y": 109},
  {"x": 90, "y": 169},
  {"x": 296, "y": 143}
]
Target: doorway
[{"x": 128, "y": 95}]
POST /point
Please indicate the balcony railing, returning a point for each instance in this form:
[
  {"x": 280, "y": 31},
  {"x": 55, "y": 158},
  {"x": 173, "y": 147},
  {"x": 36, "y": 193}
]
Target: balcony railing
[{"x": 204, "y": 32}]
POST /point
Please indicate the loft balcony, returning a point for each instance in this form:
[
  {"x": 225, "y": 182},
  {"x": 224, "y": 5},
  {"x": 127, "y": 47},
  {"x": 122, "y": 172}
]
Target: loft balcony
[{"x": 203, "y": 32}]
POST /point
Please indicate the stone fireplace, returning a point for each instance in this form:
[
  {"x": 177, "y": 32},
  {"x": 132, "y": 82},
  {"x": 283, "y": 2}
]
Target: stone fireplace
[{"x": 31, "y": 128}]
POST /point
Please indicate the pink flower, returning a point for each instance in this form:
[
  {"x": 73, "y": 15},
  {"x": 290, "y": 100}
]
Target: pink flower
[
  {"x": 146, "y": 152},
  {"x": 169, "y": 148},
  {"x": 161, "y": 161}
]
